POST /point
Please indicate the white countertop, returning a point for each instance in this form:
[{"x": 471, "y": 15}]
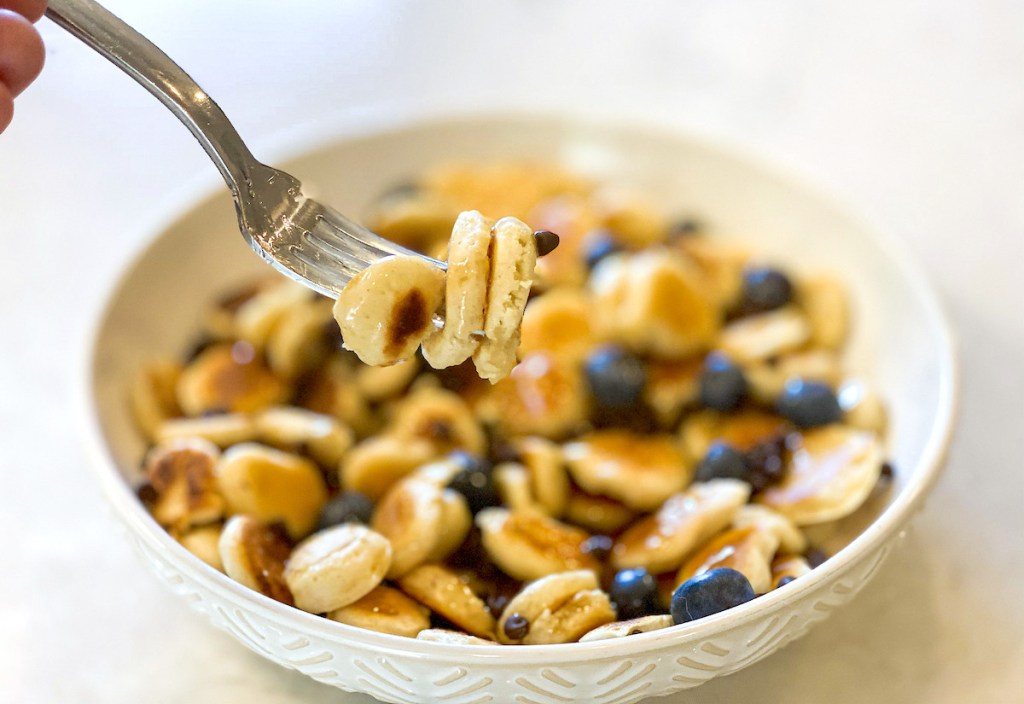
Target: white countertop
[{"x": 914, "y": 110}]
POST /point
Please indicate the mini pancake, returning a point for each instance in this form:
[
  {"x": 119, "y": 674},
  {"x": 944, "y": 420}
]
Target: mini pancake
[
  {"x": 387, "y": 309},
  {"x": 513, "y": 258},
  {"x": 469, "y": 268}
]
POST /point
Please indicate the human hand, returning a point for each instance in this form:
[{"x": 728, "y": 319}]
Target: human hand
[{"x": 21, "y": 51}]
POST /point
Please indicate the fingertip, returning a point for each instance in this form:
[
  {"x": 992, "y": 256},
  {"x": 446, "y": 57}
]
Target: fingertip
[
  {"x": 6, "y": 107},
  {"x": 31, "y": 10},
  {"x": 23, "y": 55}
]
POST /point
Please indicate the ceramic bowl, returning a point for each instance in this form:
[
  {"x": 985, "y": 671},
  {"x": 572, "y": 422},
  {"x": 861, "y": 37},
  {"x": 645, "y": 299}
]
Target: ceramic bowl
[{"x": 901, "y": 343}]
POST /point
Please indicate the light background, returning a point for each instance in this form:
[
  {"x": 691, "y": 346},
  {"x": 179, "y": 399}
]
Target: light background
[{"x": 912, "y": 109}]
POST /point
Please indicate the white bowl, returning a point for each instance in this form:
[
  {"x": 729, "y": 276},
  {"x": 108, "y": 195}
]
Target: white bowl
[{"x": 901, "y": 342}]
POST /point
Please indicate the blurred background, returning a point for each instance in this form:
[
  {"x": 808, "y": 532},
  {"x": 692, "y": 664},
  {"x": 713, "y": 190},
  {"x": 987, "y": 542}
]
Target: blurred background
[{"x": 912, "y": 109}]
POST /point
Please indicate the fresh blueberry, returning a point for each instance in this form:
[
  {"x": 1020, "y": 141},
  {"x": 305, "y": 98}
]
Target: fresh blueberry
[
  {"x": 616, "y": 377},
  {"x": 709, "y": 593},
  {"x": 722, "y": 461},
  {"x": 815, "y": 557},
  {"x": 722, "y": 384},
  {"x": 635, "y": 593},
  {"x": 475, "y": 481},
  {"x": 808, "y": 403},
  {"x": 598, "y": 245},
  {"x": 598, "y": 546},
  {"x": 347, "y": 507},
  {"x": 764, "y": 289}
]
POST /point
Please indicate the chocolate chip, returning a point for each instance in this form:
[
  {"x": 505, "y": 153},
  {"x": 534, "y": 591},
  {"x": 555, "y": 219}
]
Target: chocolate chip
[
  {"x": 546, "y": 242},
  {"x": 439, "y": 430},
  {"x": 504, "y": 451},
  {"x": 204, "y": 344},
  {"x": 888, "y": 472},
  {"x": 600, "y": 546},
  {"x": 147, "y": 493},
  {"x": 516, "y": 627},
  {"x": 766, "y": 462},
  {"x": 785, "y": 580},
  {"x": 496, "y": 604},
  {"x": 686, "y": 227}
]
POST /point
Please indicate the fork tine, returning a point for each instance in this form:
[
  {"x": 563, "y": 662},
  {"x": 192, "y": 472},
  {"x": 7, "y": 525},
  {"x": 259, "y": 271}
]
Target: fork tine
[{"x": 323, "y": 249}]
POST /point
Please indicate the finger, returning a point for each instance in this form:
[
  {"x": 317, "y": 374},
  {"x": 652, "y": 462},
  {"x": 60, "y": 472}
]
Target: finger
[
  {"x": 32, "y": 10},
  {"x": 21, "y": 52},
  {"x": 6, "y": 107}
]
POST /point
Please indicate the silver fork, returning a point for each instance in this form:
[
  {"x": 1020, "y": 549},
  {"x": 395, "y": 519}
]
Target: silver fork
[{"x": 300, "y": 237}]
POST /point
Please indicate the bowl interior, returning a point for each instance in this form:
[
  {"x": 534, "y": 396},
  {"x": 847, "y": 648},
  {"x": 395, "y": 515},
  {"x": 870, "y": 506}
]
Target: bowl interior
[{"x": 900, "y": 343}]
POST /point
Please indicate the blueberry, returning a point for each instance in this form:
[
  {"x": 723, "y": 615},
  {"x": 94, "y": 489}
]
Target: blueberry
[
  {"x": 722, "y": 461},
  {"x": 598, "y": 546},
  {"x": 808, "y": 403},
  {"x": 598, "y": 245},
  {"x": 616, "y": 378},
  {"x": 635, "y": 593},
  {"x": 475, "y": 481},
  {"x": 815, "y": 557},
  {"x": 764, "y": 289},
  {"x": 709, "y": 593},
  {"x": 347, "y": 507},
  {"x": 722, "y": 384}
]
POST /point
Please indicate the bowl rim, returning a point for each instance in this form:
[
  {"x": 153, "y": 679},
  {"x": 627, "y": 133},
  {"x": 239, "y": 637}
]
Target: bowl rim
[{"x": 315, "y": 135}]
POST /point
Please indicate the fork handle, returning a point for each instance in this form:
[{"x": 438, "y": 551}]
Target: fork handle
[{"x": 156, "y": 72}]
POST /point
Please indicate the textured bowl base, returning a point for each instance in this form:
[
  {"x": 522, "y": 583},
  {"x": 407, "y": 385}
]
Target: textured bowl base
[{"x": 401, "y": 679}]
